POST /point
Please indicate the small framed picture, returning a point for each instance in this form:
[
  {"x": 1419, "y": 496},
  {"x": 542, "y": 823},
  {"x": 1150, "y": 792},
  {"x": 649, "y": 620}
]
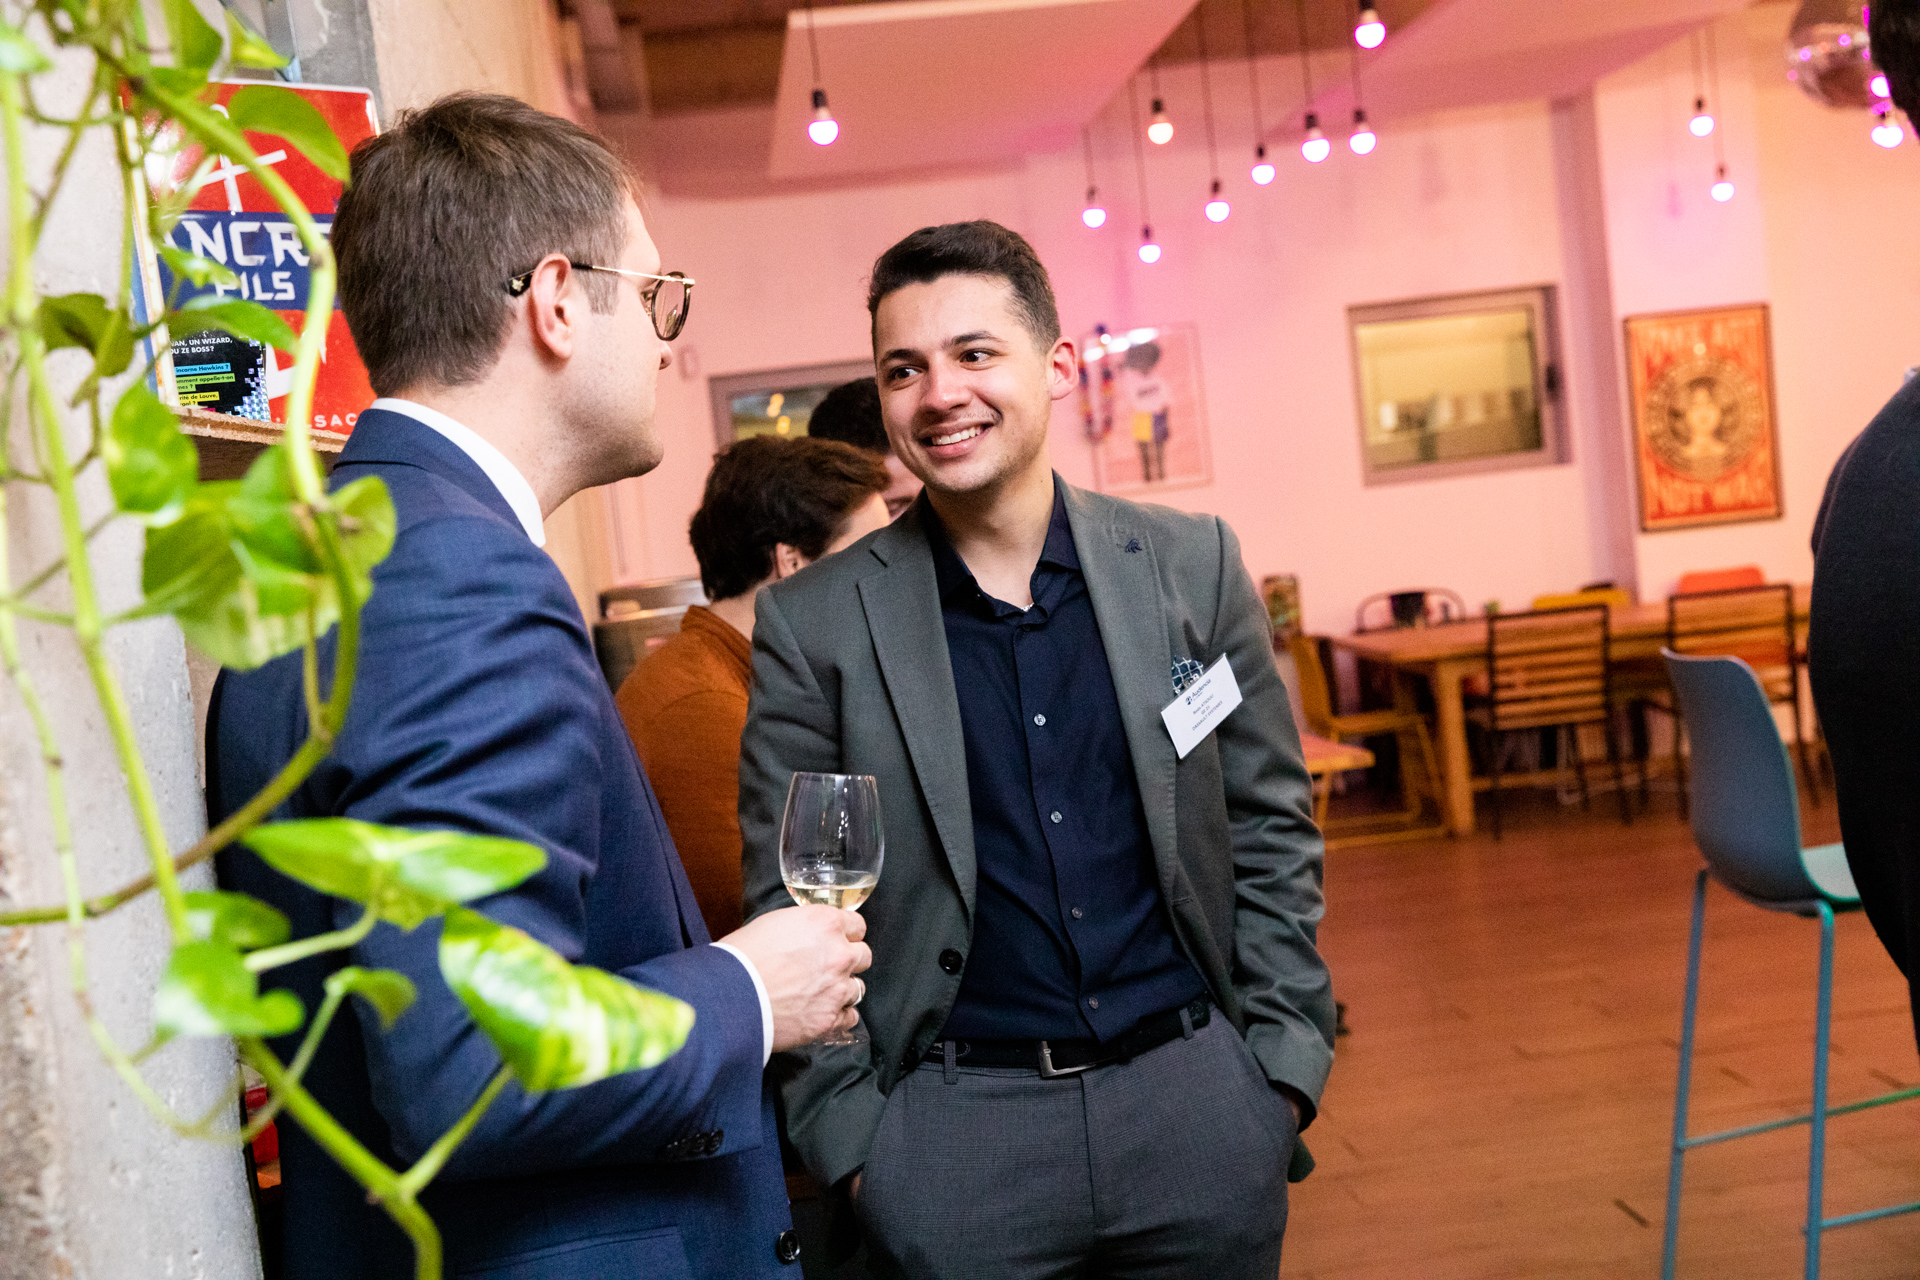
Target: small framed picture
[
  {"x": 1706, "y": 448},
  {"x": 775, "y": 401},
  {"x": 1141, "y": 407}
]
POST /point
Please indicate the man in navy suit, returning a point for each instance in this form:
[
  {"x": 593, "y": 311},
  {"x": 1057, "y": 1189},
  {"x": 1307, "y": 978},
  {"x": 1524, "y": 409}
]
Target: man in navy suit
[{"x": 506, "y": 297}]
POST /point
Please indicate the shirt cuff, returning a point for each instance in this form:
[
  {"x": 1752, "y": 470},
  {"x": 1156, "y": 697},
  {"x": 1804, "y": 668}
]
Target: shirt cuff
[{"x": 766, "y": 1004}]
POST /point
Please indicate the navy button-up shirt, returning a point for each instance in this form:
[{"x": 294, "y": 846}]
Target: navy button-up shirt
[{"x": 1071, "y": 937}]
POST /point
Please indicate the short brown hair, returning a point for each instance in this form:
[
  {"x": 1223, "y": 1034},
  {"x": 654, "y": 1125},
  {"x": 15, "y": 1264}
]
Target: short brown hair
[
  {"x": 850, "y": 413},
  {"x": 766, "y": 490},
  {"x": 978, "y": 248},
  {"x": 446, "y": 206}
]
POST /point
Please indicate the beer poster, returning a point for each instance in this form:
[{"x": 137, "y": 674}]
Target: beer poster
[
  {"x": 1705, "y": 446},
  {"x": 233, "y": 221}
]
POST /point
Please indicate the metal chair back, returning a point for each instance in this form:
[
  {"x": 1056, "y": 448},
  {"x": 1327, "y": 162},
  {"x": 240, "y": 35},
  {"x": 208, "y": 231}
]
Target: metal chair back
[
  {"x": 1409, "y": 607},
  {"x": 1745, "y": 809},
  {"x": 1547, "y": 667}
]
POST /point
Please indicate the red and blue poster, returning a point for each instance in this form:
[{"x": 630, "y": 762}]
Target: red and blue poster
[{"x": 233, "y": 221}]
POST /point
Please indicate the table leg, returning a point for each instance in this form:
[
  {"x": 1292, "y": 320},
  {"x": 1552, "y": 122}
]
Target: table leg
[{"x": 1456, "y": 771}]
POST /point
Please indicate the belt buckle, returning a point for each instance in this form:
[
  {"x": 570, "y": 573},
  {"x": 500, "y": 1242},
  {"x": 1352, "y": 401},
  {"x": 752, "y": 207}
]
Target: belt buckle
[{"x": 1050, "y": 1072}]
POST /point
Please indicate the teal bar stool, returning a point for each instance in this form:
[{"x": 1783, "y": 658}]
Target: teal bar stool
[{"x": 1746, "y": 820}]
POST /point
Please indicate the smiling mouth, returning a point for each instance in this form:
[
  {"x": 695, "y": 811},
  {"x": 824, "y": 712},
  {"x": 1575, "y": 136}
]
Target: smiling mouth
[{"x": 958, "y": 436}]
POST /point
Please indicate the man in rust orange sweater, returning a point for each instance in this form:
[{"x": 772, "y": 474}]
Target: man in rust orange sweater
[{"x": 772, "y": 507}]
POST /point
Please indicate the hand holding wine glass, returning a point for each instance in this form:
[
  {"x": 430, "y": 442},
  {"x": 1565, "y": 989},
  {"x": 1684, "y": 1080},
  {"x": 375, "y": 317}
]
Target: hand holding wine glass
[{"x": 831, "y": 847}]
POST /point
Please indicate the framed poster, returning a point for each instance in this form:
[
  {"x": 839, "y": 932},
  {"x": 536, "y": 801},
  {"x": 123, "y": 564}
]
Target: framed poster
[
  {"x": 1148, "y": 427},
  {"x": 775, "y": 401},
  {"x": 231, "y": 220},
  {"x": 1450, "y": 385},
  {"x": 1706, "y": 450}
]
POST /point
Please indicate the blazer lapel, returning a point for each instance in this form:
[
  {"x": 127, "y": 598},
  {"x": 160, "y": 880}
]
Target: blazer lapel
[
  {"x": 902, "y": 605},
  {"x": 1123, "y": 581}
]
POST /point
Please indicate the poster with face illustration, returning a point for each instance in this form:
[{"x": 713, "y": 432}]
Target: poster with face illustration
[
  {"x": 1141, "y": 401},
  {"x": 1704, "y": 440}
]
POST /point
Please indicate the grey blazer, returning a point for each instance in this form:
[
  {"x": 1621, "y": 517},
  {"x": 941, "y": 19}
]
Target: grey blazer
[{"x": 851, "y": 675}]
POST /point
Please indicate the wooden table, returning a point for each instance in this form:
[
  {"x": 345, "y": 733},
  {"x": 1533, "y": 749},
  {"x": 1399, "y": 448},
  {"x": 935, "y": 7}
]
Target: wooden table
[{"x": 1445, "y": 654}]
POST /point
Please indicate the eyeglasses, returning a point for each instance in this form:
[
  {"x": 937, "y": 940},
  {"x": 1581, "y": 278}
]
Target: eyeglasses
[{"x": 667, "y": 300}]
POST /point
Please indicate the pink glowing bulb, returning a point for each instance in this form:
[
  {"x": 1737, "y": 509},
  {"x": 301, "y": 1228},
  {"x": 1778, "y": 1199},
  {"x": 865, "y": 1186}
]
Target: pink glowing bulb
[
  {"x": 823, "y": 128},
  {"x": 1363, "y": 139},
  {"x": 1149, "y": 253},
  {"x": 1262, "y": 172},
  {"x": 1217, "y": 210},
  {"x": 1094, "y": 216},
  {"x": 1878, "y": 86},
  {"x": 1369, "y": 31},
  {"x": 1702, "y": 123},
  {"x": 1160, "y": 132},
  {"x": 1315, "y": 146},
  {"x": 1722, "y": 190},
  {"x": 1887, "y": 133}
]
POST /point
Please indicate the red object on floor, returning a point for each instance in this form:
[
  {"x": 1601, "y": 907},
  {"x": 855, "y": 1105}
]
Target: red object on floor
[{"x": 266, "y": 1144}]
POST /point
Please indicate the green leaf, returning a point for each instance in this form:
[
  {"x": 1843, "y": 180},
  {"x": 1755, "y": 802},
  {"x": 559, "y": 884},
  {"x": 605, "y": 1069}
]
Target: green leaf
[
  {"x": 283, "y": 113},
  {"x": 234, "y": 918},
  {"x": 406, "y": 876},
  {"x": 264, "y": 519},
  {"x": 367, "y": 527},
  {"x": 19, "y": 55},
  {"x": 388, "y": 991},
  {"x": 151, "y": 466},
  {"x": 249, "y": 50},
  {"x": 84, "y": 320},
  {"x": 557, "y": 1025},
  {"x": 196, "y": 45},
  {"x": 198, "y": 271},
  {"x": 192, "y": 571},
  {"x": 236, "y": 316},
  {"x": 207, "y": 991}
]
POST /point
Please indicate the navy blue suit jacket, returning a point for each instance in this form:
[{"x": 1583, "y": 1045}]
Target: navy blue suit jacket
[{"x": 479, "y": 707}]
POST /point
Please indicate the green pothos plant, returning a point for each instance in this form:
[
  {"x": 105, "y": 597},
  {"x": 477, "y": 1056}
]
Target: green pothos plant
[{"x": 251, "y": 570}]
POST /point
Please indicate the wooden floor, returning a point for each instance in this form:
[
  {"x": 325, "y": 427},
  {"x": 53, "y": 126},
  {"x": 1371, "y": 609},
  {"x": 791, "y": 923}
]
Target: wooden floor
[{"x": 1503, "y": 1105}]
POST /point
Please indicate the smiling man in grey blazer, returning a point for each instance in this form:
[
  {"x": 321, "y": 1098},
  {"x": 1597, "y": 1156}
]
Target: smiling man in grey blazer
[{"x": 1098, "y": 1016}]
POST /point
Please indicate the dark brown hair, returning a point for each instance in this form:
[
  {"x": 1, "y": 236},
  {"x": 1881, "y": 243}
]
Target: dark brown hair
[
  {"x": 446, "y": 206},
  {"x": 979, "y": 248},
  {"x": 766, "y": 490},
  {"x": 850, "y": 413}
]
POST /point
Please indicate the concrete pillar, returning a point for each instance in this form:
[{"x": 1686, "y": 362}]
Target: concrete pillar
[
  {"x": 91, "y": 1185},
  {"x": 1592, "y": 350}
]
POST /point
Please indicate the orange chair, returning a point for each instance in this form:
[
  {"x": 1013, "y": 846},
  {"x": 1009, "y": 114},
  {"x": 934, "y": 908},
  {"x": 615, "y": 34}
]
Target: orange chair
[{"x": 1746, "y": 575}]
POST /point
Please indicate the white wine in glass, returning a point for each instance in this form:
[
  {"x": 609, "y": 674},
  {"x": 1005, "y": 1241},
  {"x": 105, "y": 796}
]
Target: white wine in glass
[{"x": 831, "y": 845}]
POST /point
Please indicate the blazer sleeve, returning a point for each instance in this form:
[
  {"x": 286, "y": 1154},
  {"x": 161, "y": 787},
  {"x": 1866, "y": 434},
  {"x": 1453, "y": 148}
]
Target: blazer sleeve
[
  {"x": 1281, "y": 981},
  {"x": 832, "y": 1096},
  {"x": 476, "y": 709}
]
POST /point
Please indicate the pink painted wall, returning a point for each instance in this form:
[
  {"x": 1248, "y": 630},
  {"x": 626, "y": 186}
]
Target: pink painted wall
[{"x": 1450, "y": 202}]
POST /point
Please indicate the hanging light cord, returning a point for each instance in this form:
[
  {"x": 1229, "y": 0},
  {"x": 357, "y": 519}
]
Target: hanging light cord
[
  {"x": 1355, "y": 51},
  {"x": 1206, "y": 91},
  {"x": 1306, "y": 62},
  {"x": 1253, "y": 72},
  {"x": 1713, "y": 81},
  {"x": 813, "y": 46},
  {"x": 1139, "y": 157},
  {"x": 1086, "y": 142},
  {"x": 1699, "y": 72}
]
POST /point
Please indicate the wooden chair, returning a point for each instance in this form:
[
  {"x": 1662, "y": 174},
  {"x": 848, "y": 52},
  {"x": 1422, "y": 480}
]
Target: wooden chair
[
  {"x": 1746, "y": 575},
  {"x": 1612, "y": 597},
  {"x": 1410, "y": 607},
  {"x": 1549, "y": 668},
  {"x": 1407, "y": 725},
  {"x": 1754, "y": 624}
]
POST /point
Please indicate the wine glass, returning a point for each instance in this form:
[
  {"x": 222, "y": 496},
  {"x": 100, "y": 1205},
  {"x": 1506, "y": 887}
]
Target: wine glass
[{"x": 831, "y": 845}]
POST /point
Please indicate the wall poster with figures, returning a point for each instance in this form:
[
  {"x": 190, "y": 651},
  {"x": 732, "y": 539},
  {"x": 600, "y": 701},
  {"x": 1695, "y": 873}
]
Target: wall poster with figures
[
  {"x": 1141, "y": 407},
  {"x": 231, "y": 221},
  {"x": 1705, "y": 443}
]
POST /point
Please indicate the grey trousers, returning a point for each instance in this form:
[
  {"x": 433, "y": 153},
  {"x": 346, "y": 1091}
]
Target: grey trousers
[{"x": 1169, "y": 1167}]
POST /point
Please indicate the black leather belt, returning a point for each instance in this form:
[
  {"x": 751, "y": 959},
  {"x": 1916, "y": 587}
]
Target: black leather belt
[{"x": 1070, "y": 1057}]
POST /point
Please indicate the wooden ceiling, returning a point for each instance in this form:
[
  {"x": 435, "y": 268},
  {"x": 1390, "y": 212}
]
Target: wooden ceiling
[{"x": 704, "y": 55}]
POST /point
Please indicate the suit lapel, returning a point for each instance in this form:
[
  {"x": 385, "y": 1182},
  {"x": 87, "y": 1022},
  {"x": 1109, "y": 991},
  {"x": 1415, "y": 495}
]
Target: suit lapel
[
  {"x": 1123, "y": 581},
  {"x": 902, "y": 605}
]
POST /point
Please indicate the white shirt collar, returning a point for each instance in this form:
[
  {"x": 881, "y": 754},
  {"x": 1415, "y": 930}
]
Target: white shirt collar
[{"x": 505, "y": 476}]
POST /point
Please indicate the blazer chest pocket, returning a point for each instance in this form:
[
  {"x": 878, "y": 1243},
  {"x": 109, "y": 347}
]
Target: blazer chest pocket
[{"x": 654, "y": 1255}]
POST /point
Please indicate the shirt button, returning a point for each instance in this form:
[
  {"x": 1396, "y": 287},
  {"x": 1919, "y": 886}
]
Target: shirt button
[
  {"x": 1055, "y": 815},
  {"x": 952, "y": 961},
  {"x": 1093, "y": 1002},
  {"x": 1040, "y": 720},
  {"x": 1076, "y": 913}
]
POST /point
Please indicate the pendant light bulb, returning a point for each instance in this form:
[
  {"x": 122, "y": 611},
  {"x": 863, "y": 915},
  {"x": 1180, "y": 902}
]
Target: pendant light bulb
[
  {"x": 1878, "y": 86},
  {"x": 1886, "y": 132},
  {"x": 1363, "y": 139},
  {"x": 1722, "y": 189},
  {"x": 1217, "y": 207},
  {"x": 1702, "y": 123},
  {"x": 823, "y": 128},
  {"x": 1262, "y": 167},
  {"x": 1315, "y": 146},
  {"x": 1149, "y": 250},
  {"x": 1093, "y": 215},
  {"x": 1160, "y": 132},
  {"x": 1369, "y": 32}
]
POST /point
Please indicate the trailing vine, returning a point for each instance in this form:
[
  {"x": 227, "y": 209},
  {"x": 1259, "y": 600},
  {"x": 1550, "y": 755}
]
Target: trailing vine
[{"x": 251, "y": 570}]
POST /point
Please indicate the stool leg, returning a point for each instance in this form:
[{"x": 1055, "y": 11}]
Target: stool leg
[
  {"x": 1670, "y": 1250},
  {"x": 1817, "y": 1147}
]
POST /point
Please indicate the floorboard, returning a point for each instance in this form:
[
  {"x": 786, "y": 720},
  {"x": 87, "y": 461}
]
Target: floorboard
[{"x": 1503, "y": 1105}]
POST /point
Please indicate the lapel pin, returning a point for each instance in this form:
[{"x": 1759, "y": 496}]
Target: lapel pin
[{"x": 1133, "y": 545}]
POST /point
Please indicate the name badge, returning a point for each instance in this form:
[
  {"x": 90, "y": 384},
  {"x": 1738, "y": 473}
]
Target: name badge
[{"x": 1201, "y": 706}]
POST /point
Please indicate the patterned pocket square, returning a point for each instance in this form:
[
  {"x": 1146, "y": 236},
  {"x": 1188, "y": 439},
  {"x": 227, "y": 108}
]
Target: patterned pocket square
[{"x": 1185, "y": 672}]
